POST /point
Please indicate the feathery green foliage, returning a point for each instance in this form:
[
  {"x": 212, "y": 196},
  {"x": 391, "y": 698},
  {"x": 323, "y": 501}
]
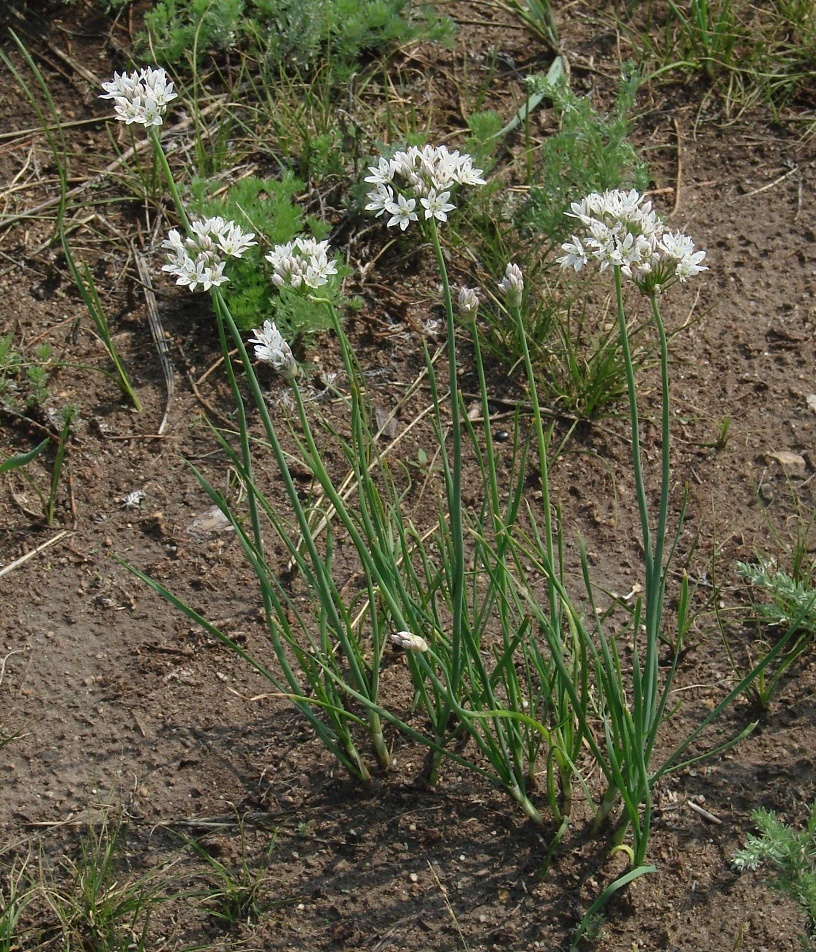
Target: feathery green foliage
[
  {"x": 590, "y": 153},
  {"x": 792, "y": 853},
  {"x": 284, "y": 33}
]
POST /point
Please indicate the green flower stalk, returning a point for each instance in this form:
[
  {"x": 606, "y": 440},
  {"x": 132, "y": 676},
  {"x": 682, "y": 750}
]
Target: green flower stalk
[{"x": 622, "y": 233}]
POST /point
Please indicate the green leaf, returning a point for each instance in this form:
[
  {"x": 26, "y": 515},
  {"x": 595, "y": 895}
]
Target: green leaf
[{"x": 23, "y": 459}]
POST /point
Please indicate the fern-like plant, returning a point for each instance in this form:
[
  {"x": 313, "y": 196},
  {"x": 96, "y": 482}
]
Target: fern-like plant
[
  {"x": 589, "y": 153},
  {"x": 792, "y": 853},
  {"x": 792, "y": 601},
  {"x": 291, "y": 34}
]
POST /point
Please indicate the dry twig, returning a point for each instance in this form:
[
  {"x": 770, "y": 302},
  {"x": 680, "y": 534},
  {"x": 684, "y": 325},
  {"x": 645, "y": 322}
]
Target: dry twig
[
  {"x": 157, "y": 333},
  {"x": 30, "y": 555}
]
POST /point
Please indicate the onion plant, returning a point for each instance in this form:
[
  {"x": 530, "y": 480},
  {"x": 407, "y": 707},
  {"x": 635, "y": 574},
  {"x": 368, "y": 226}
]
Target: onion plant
[{"x": 512, "y": 678}]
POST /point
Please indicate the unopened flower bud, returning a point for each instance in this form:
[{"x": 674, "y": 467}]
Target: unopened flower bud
[
  {"x": 512, "y": 285},
  {"x": 404, "y": 639},
  {"x": 468, "y": 304}
]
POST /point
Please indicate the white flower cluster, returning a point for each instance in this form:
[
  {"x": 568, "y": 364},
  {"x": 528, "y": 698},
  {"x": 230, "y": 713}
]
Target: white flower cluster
[
  {"x": 141, "y": 96},
  {"x": 419, "y": 179},
  {"x": 621, "y": 230},
  {"x": 303, "y": 261},
  {"x": 271, "y": 348},
  {"x": 199, "y": 259}
]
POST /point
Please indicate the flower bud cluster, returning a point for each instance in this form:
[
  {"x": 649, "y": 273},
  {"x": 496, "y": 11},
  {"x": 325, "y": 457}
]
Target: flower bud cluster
[
  {"x": 468, "y": 304},
  {"x": 419, "y": 181},
  {"x": 271, "y": 348},
  {"x": 512, "y": 285},
  {"x": 409, "y": 641},
  {"x": 141, "y": 96},
  {"x": 302, "y": 262},
  {"x": 621, "y": 230},
  {"x": 199, "y": 258}
]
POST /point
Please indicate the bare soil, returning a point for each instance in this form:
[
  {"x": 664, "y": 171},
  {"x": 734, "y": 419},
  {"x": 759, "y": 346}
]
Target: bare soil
[{"x": 119, "y": 708}]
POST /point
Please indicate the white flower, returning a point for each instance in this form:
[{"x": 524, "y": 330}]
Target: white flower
[
  {"x": 621, "y": 230},
  {"x": 382, "y": 173},
  {"x": 198, "y": 260},
  {"x": 404, "y": 639},
  {"x": 402, "y": 212},
  {"x": 233, "y": 241},
  {"x": 380, "y": 198},
  {"x": 271, "y": 348},
  {"x": 679, "y": 248},
  {"x": 576, "y": 254},
  {"x": 133, "y": 499},
  {"x": 512, "y": 285},
  {"x": 303, "y": 261},
  {"x": 437, "y": 206},
  {"x": 424, "y": 175},
  {"x": 141, "y": 96},
  {"x": 468, "y": 304}
]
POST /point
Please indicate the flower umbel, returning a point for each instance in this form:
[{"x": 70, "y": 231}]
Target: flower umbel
[
  {"x": 622, "y": 230},
  {"x": 303, "y": 261},
  {"x": 419, "y": 176},
  {"x": 271, "y": 348},
  {"x": 199, "y": 258},
  {"x": 141, "y": 96}
]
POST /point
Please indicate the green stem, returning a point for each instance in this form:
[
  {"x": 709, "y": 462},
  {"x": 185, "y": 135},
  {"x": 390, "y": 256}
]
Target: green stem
[
  {"x": 654, "y": 598},
  {"x": 637, "y": 466},
  {"x": 543, "y": 466},
  {"x": 168, "y": 177},
  {"x": 454, "y": 483}
]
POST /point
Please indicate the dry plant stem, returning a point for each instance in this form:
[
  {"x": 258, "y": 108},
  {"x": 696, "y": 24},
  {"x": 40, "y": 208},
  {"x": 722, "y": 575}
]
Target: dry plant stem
[
  {"x": 56, "y": 474},
  {"x": 30, "y": 555},
  {"x": 157, "y": 333},
  {"x": 111, "y": 167},
  {"x": 350, "y": 485}
]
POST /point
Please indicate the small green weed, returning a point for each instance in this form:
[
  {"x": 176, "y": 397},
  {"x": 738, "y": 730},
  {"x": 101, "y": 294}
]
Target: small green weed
[
  {"x": 793, "y": 601},
  {"x": 590, "y": 153},
  {"x": 792, "y": 607},
  {"x": 537, "y": 17},
  {"x": 793, "y": 855},
  {"x": 584, "y": 374},
  {"x": 291, "y": 34},
  {"x": 235, "y": 894},
  {"x": 24, "y": 379},
  {"x": 751, "y": 53},
  {"x": 16, "y": 893},
  {"x": 97, "y": 903}
]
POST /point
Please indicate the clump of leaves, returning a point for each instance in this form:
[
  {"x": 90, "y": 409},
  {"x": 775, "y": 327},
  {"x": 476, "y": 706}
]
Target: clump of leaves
[
  {"x": 267, "y": 207},
  {"x": 792, "y": 853},
  {"x": 751, "y": 52},
  {"x": 590, "y": 153},
  {"x": 285, "y": 33}
]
